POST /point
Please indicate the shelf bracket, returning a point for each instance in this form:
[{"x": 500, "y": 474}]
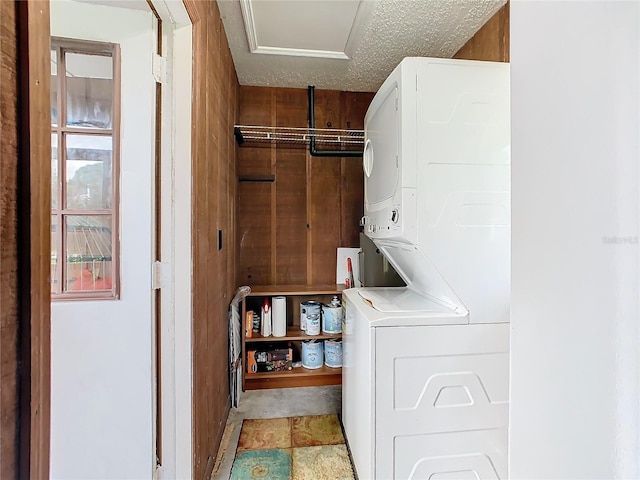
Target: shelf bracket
[{"x": 238, "y": 134}]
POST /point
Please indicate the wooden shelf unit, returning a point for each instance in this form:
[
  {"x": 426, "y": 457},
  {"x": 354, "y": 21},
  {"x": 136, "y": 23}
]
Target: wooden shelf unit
[
  {"x": 293, "y": 333},
  {"x": 299, "y": 376}
]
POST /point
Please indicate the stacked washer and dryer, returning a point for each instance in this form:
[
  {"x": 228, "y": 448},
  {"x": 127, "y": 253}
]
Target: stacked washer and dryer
[{"x": 426, "y": 366}]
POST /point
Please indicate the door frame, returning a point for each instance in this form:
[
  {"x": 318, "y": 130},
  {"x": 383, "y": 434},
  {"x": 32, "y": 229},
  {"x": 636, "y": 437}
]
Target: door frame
[
  {"x": 175, "y": 345},
  {"x": 32, "y": 446},
  {"x": 34, "y": 238}
]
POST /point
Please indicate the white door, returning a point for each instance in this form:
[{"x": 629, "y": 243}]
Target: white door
[{"x": 101, "y": 351}]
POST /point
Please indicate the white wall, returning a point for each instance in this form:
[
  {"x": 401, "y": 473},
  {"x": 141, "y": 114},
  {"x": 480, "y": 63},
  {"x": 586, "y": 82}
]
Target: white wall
[
  {"x": 575, "y": 196},
  {"x": 101, "y": 361},
  {"x": 182, "y": 251}
]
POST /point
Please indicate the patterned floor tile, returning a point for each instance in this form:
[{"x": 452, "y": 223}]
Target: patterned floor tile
[
  {"x": 325, "y": 462},
  {"x": 262, "y": 464},
  {"x": 264, "y": 434},
  {"x": 316, "y": 430}
]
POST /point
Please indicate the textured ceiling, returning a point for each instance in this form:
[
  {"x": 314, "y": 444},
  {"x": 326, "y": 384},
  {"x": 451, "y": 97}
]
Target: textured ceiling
[
  {"x": 395, "y": 29},
  {"x": 130, "y": 4}
]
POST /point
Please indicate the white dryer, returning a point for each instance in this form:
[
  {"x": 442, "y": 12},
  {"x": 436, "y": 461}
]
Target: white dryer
[{"x": 425, "y": 367}]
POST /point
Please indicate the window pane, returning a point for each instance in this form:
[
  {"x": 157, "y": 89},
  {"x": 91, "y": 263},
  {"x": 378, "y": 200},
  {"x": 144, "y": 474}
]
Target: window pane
[
  {"x": 54, "y": 171},
  {"x": 54, "y": 254},
  {"x": 88, "y": 253},
  {"x": 89, "y": 90},
  {"x": 54, "y": 88},
  {"x": 88, "y": 172}
]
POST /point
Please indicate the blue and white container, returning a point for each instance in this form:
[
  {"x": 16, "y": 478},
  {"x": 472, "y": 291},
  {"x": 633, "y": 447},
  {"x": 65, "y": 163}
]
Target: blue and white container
[
  {"x": 312, "y": 355},
  {"x": 310, "y": 308},
  {"x": 333, "y": 353},
  {"x": 332, "y": 316},
  {"x": 313, "y": 313}
]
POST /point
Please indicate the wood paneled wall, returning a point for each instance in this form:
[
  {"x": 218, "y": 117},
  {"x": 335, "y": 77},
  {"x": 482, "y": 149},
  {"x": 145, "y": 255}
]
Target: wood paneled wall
[
  {"x": 25, "y": 214},
  {"x": 9, "y": 408},
  {"x": 491, "y": 42},
  {"x": 295, "y": 210},
  {"x": 214, "y": 191}
]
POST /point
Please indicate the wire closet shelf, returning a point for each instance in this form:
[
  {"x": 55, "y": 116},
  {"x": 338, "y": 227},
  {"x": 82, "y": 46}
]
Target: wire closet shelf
[{"x": 293, "y": 135}]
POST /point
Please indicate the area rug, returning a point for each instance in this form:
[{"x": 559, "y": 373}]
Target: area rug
[{"x": 293, "y": 448}]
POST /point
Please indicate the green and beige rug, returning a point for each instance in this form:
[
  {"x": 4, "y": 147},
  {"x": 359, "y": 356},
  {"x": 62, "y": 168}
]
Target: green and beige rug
[{"x": 294, "y": 448}]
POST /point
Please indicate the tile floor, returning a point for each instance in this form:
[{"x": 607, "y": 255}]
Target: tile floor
[
  {"x": 301, "y": 448},
  {"x": 276, "y": 403}
]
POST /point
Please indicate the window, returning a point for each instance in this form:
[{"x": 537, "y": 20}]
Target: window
[{"x": 84, "y": 172}]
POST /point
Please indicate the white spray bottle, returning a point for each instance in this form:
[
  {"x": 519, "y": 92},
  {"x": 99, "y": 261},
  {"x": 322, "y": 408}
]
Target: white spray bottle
[{"x": 265, "y": 331}]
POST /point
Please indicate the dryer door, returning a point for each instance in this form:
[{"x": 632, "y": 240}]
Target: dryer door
[{"x": 380, "y": 158}]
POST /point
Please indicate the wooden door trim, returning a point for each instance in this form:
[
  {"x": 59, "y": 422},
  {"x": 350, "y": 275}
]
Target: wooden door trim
[{"x": 34, "y": 237}]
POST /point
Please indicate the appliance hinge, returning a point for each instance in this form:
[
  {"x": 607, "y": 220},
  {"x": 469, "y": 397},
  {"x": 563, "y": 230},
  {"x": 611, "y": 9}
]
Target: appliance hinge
[
  {"x": 160, "y": 274},
  {"x": 159, "y": 68}
]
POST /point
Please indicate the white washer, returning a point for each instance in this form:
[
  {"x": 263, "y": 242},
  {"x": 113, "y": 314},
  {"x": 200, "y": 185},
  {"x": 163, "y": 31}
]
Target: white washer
[{"x": 425, "y": 394}]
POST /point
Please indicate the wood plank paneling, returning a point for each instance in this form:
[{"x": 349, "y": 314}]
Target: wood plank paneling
[
  {"x": 291, "y": 192},
  {"x": 355, "y": 108},
  {"x": 256, "y": 107},
  {"x": 491, "y": 42},
  {"x": 229, "y": 236},
  {"x": 227, "y": 152},
  {"x": 34, "y": 227},
  {"x": 351, "y": 206},
  {"x": 254, "y": 231},
  {"x": 212, "y": 409},
  {"x": 291, "y": 217},
  {"x": 324, "y": 218},
  {"x": 25, "y": 238},
  {"x": 9, "y": 407},
  {"x": 324, "y": 196},
  {"x": 318, "y": 201},
  {"x": 199, "y": 329},
  {"x": 213, "y": 198}
]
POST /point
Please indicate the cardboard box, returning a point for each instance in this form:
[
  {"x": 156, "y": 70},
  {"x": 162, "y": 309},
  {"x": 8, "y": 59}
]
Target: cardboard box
[{"x": 270, "y": 360}]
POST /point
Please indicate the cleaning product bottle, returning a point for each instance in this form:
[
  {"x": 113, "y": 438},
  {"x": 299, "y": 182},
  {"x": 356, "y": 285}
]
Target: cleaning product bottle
[
  {"x": 265, "y": 331},
  {"x": 351, "y": 281}
]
